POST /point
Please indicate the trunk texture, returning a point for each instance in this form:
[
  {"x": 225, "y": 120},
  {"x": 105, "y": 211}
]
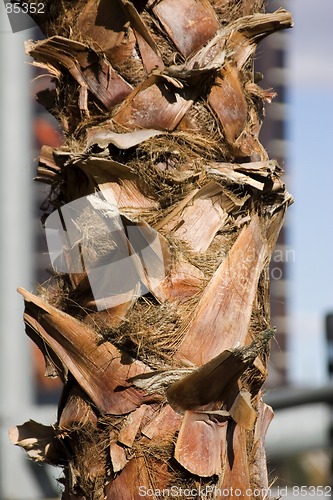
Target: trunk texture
[{"x": 164, "y": 210}]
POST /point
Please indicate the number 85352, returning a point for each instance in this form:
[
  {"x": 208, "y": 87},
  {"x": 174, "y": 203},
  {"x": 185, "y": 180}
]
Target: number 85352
[{"x": 25, "y": 8}]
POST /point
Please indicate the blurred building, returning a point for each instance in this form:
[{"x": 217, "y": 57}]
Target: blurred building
[
  {"x": 46, "y": 131},
  {"x": 270, "y": 61}
]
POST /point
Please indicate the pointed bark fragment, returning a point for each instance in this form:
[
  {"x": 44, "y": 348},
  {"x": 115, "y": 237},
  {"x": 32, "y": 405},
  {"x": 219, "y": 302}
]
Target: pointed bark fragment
[
  {"x": 227, "y": 100},
  {"x": 210, "y": 386},
  {"x": 222, "y": 317},
  {"x": 164, "y": 425},
  {"x": 201, "y": 218},
  {"x": 190, "y": 23},
  {"x": 258, "y": 466},
  {"x": 126, "y": 485},
  {"x": 118, "y": 457},
  {"x": 248, "y": 146},
  {"x": 260, "y": 175},
  {"x": 150, "y": 57},
  {"x": 155, "y": 104},
  {"x": 131, "y": 426},
  {"x": 247, "y": 32},
  {"x": 117, "y": 454},
  {"x": 242, "y": 411},
  {"x": 149, "y": 52},
  {"x": 238, "y": 40},
  {"x": 104, "y": 22},
  {"x": 259, "y": 25},
  {"x": 185, "y": 281},
  {"x": 77, "y": 412},
  {"x": 236, "y": 474},
  {"x": 103, "y": 136},
  {"x": 201, "y": 444},
  {"x": 48, "y": 169},
  {"x": 100, "y": 370},
  {"x": 54, "y": 367},
  {"x": 39, "y": 441},
  {"x": 131, "y": 193}
]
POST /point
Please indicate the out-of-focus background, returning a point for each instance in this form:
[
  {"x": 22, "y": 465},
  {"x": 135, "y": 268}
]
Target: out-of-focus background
[{"x": 298, "y": 132}]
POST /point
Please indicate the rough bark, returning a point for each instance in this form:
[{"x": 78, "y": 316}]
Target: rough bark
[{"x": 161, "y": 116}]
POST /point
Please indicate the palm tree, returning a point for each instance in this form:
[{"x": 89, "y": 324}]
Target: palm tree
[{"x": 164, "y": 210}]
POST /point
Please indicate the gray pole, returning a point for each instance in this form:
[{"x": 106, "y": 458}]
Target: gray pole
[
  {"x": 15, "y": 254},
  {"x": 19, "y": 478}
]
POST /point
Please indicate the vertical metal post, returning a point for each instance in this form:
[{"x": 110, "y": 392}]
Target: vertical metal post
[
  {"x": 329, "y": 338},
  {"x": 15, "y": 255}
]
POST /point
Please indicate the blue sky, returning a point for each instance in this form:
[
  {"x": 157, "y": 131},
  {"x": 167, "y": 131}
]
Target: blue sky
[{"x": 310, "y": 164}]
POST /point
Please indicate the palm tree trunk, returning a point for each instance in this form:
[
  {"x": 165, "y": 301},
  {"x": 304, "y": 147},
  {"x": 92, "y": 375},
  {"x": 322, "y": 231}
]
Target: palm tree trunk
[{"x": 165, "y": 210}]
